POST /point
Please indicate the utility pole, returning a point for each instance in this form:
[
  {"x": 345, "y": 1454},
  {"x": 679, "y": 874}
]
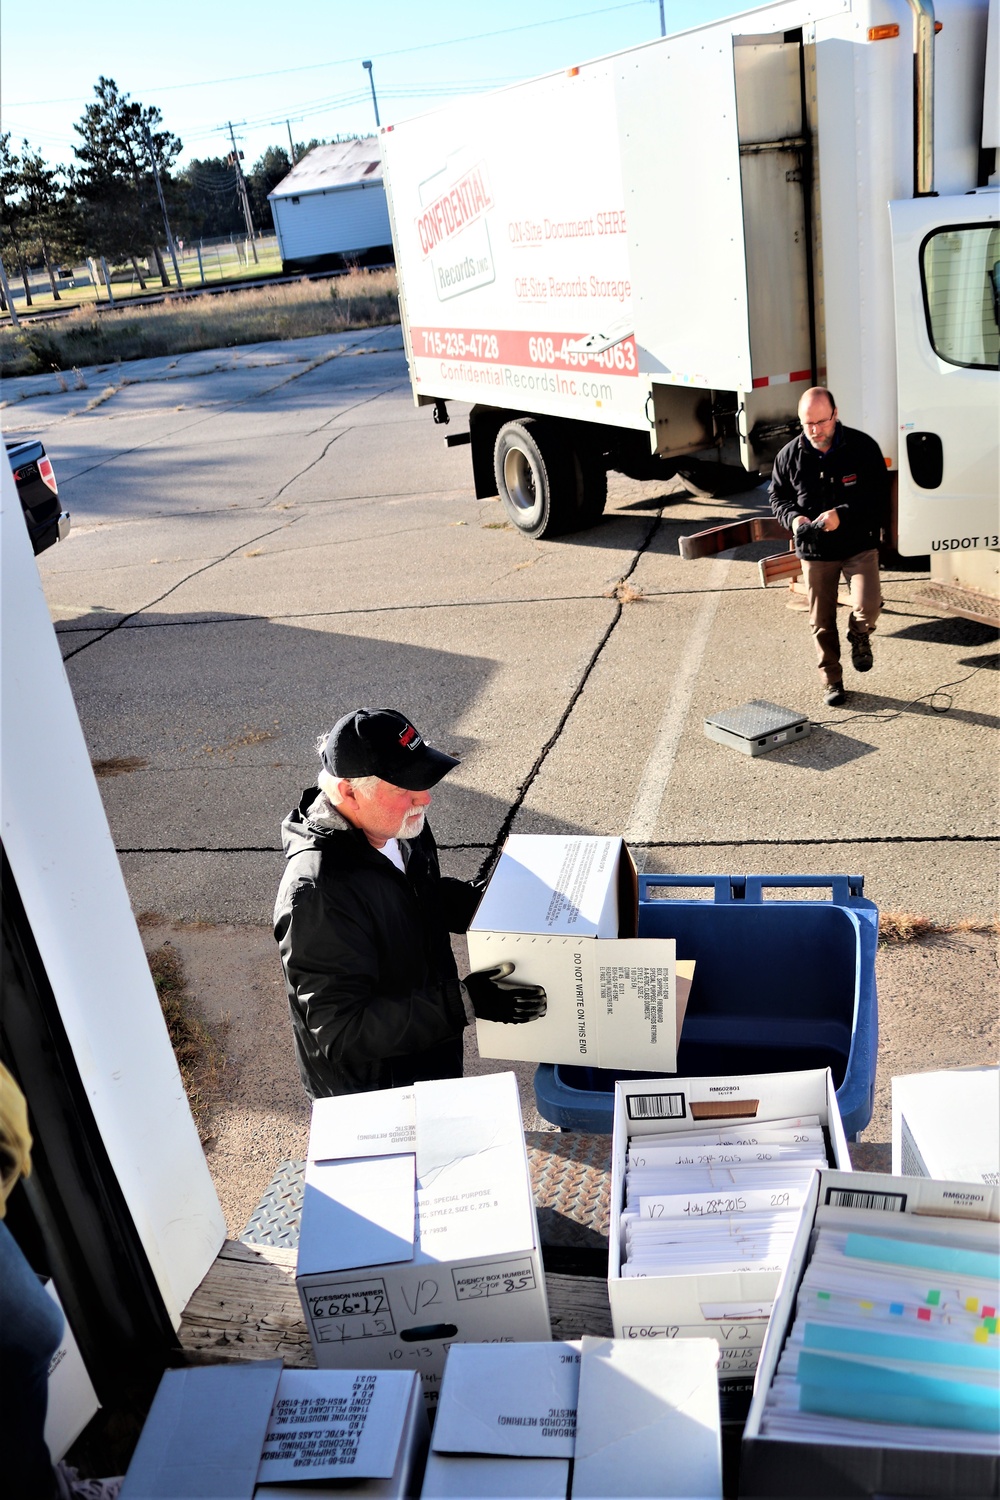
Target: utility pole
[
  {"x": 663, "y": 24},
  {"x": 291, "y": 143},
  {"x": 371, "y": 79},
  {"x": 241, "y": 187},
  {"x": 163, "y": 207}
]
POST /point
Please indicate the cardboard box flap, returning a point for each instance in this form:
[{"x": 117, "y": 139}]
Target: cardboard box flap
[
  {"x": 553, "y": 885},
  {"x": 612, "y": 1003},
  {"x": 336, "y": 1424},
  {"x": 509, "y": 1400},
  {"x": 472, "y": 1196},
  {"x": 357, "y": 1213},
  {"x": 204, "y": 1433},
  {"x": 649, "y": 1412},
  {"x": 628, "y": 896},
  {"x": 456, "y": 1476},
  {"x": 382, "y": 1123}
]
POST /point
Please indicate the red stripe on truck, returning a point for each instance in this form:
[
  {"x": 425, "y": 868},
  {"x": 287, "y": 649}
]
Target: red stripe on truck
[
  {"x": 508, "y": 346},
  {"x": 792, "y": 379}
]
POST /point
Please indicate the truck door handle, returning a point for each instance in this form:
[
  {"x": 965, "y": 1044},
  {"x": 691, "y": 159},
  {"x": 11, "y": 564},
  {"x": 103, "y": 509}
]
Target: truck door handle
[{"x": 926, "y": 456}]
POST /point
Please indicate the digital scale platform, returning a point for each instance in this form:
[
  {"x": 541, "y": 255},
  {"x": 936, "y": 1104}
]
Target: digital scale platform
[{"x": 757, "y": 727}]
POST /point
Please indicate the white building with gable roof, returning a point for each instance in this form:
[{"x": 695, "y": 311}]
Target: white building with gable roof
[{"x": 331, "y": 209}]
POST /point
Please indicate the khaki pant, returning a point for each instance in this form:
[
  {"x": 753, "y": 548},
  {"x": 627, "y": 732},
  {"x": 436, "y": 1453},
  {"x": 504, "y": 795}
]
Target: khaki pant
[{"x": 822, "y": 580}]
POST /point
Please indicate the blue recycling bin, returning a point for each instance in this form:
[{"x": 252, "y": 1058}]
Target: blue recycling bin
[{"x": 779, "y": 985}]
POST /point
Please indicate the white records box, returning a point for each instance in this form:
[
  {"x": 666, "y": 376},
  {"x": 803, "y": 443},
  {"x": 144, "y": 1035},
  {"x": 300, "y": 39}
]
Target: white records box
[
  {"x": 563, "y": 910},
  {"x": 418, "y": 1227},
  {"x": 947, "y": 1125},
  {"x": 729, "y": 1306},
  {"x": 947, "y": 1214}
]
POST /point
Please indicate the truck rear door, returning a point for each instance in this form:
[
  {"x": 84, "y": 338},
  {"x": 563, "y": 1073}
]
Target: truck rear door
[{"x": 946, "y": 266}]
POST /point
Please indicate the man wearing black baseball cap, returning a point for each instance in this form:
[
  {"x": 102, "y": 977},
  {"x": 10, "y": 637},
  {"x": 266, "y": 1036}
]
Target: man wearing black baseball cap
[{"x": 363, "y": 915}]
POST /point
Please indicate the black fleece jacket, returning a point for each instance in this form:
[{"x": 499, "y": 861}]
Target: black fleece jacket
[
  {"x": 850, "y": 478},
  {"x": 372, "y": 985}
]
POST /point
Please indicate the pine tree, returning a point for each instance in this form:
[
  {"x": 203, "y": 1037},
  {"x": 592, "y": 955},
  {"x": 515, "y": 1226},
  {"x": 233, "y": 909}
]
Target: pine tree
[
  {"x": 13, "y": 225},
  {"x": 115, "y": 181},
  {"x": 45, "y": 209}
]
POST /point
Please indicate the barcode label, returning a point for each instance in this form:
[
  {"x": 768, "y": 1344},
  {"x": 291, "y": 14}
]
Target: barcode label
[
  {"x": 890, "y": 1203},
  {"x": 656, "y": 1106}
]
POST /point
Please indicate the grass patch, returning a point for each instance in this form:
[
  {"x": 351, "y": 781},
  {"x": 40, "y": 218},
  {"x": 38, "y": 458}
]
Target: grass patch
[
  {"x": 199, "y": 1052},
  {"x": 910, "y": 926},
  {"x": 302, "y": 309},
  {"x": 625, "y": 592}
]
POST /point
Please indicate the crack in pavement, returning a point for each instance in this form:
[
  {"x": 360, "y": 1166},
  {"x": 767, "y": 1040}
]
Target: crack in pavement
[
  {"x": 526, "y": 785},
  {"x": 173, "y": 588},
  {"x": 493, "y": 849},
  {"x": 360, "y": 609},
  {"x": 778, "y": 843},
  {"x": 311, "y": 465},
  {"x": 232, "y": 406}
]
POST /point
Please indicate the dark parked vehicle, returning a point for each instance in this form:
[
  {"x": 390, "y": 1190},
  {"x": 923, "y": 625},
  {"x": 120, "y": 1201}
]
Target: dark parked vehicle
[{"x": 39, "y": 492}]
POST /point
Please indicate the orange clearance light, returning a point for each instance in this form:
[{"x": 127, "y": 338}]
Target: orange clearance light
[
  {"x": 882, "y": 33},
  {"x": 938, "y": 26},
  {"x": 572, "y": 72},
  {"x": 888, "y": 463}
]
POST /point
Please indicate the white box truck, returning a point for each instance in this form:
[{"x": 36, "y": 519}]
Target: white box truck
[{"x": 654, "y": 254}]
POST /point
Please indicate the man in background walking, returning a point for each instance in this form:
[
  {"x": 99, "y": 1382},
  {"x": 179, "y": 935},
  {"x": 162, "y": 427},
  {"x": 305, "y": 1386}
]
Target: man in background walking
[{"x": 830, "y": 488}]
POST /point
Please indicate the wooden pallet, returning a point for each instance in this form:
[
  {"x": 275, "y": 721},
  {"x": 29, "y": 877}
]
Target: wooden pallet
[{"x": 247, "y": 1307}]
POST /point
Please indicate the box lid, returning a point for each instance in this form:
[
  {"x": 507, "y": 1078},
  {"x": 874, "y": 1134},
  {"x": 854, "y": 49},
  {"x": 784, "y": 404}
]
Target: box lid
[
  {"x": 558, "y": 884},
  {"x": 509, "y": 1400},
  {"x": 382, "y": 1123},
  {"x": 473, "y": 1189},
  {"x": 953, "y": 1122},
  {"x": 463, "y": 1192},
  {"x": 648, "y": 1420},
  {"x": 204, "y": 1433},
  {"x": 336, "y": 1424},
  {"x": 357, "y": 1213},
  {"x": 216, "y": 1431}
]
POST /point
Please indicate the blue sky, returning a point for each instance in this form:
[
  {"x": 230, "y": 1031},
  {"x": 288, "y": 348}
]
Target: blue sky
[{"x": 202, "y": 65}]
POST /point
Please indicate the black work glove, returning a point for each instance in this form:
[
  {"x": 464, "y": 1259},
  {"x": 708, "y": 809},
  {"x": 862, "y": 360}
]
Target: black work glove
[{"x": 496, "y": 998}]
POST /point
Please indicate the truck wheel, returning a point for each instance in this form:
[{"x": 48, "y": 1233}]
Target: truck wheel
[{"x": 547, "y": 486}]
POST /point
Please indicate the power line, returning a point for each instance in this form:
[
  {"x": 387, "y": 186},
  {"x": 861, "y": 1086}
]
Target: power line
[{"x": 455, "y": 41}]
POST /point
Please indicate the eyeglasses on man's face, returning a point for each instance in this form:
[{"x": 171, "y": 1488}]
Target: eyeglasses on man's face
[{"x": 814, "y": 426}]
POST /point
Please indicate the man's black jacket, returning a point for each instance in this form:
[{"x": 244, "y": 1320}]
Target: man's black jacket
[
  {"x": 850, "y": 478},
  {"x": 368, "y": 964}
]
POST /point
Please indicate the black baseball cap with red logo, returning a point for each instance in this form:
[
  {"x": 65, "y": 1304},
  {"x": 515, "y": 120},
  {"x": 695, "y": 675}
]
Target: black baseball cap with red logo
[{"x": 381, "y": 742}]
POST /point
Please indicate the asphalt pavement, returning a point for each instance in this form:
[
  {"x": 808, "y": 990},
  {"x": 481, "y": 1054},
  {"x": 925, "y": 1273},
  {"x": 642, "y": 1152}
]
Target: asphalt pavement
[{"x": 264, "y": 538}]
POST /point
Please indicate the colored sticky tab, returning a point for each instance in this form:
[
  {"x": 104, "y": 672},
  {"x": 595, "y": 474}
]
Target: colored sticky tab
[
  {"x": 989, "y": 1312},
  {"x": 824, "y": 1296},
  {"x": 924, "y": 1313},
  {"x": 990, "y": 1324},
  {"x": 866, "y": 1306},
  {"x": 897, "y": 1308},
  {"x": 934, "y": 1299},
  {"x": 921, "y": 1256},
  {"x": 981, "y": 1337},
  {"x": 872, "y": 1343},
  {"x": 972, "y": 1304}
]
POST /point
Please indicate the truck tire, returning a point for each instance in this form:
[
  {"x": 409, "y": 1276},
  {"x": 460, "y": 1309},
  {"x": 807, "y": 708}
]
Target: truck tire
[{"x": 548, "y": 485}]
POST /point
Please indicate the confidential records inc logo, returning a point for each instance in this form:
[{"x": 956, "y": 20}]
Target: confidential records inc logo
[{"x": 455, "y": 209}]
